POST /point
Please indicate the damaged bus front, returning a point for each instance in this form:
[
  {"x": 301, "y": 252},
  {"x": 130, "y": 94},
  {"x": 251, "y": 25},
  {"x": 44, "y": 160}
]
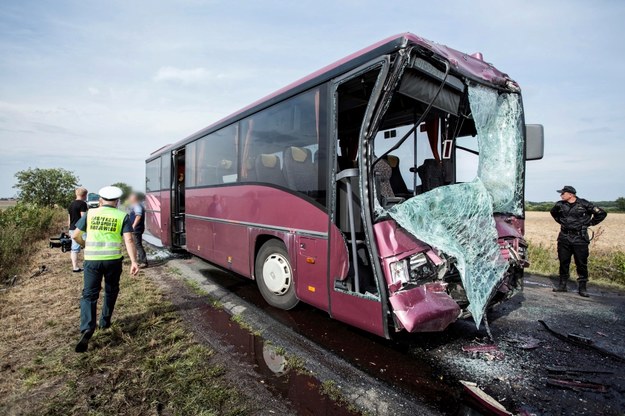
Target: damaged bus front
[{"x": 438, "y": 178}]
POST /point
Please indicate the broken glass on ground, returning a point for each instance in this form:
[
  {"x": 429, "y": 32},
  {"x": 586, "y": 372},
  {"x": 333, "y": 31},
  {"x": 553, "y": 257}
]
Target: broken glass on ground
[{"x": 458, "y": 219}]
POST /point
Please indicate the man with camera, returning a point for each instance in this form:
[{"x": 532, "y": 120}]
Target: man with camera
[{"x": 107, "y": 228}]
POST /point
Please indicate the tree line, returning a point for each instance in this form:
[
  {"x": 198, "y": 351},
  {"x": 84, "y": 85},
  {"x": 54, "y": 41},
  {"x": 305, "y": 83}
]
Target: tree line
[
  {"x": 618, "y": 205},
  {"x": 52, "y": 187}
]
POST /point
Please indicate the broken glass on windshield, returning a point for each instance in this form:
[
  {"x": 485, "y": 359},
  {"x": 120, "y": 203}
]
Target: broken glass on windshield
[{"x": 458, "y": 219}]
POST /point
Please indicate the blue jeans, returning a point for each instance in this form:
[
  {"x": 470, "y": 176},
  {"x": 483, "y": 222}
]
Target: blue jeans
[{"x": 111, "y": 271}]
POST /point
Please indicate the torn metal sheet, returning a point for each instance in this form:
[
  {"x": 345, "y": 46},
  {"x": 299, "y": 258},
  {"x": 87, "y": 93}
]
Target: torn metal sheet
[
  {"x": 424, "y": 308},
  {"x": 484, "y": 400}
]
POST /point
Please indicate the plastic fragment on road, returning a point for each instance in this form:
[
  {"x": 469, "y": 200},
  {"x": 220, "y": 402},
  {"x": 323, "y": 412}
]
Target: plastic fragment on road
[
  {"x": 479, "y": 348},
  {"x": 577, "y": 385},
  {"x": 458, "y": 219},
  {"x": 484, "y": 400}
]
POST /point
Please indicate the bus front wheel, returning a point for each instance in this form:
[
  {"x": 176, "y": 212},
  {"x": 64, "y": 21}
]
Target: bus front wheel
[{"x": 274, "y": 275}]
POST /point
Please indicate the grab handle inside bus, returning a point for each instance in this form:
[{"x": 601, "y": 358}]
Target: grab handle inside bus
[{"x": 348, "y": 174}]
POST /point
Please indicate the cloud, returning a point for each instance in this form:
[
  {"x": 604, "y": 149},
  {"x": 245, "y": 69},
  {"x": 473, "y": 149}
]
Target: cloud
[
  {"x": 183, "y": 76},
  {"x": 93, "y": 91}
]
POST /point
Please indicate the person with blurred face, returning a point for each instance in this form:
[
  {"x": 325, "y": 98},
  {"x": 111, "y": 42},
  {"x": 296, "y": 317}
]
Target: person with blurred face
[
  {"x": 137, "y": 218},
  {"x": 574, "y": 215},
  {"x": 76, "y": 210},
  {"x": 106, "y": 228}
]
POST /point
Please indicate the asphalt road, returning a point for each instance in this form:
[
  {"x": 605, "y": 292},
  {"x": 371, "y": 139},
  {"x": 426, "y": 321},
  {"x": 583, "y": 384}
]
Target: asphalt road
[{"x": 420, "y": 373}]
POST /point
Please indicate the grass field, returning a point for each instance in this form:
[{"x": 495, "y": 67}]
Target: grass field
[
  {"x": 607, "y": 249},
  {"x": 4, "y": 204},
  {"x": 540, "y": 228},
  {"x": 147, "y": 363}
]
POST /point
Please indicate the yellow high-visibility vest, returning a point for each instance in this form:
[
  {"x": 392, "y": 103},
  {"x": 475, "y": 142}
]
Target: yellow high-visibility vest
[{"x": 104, "y": 234}]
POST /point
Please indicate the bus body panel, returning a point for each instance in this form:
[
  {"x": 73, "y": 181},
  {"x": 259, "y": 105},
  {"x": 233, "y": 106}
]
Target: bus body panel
[
  {"x": 311, "y": 284},
  {"x": 153, "y": 214},
  {"x": 361, "y": 312},
  {"x": 166, "y": 217},
  {"x": 223, "y": 227}
]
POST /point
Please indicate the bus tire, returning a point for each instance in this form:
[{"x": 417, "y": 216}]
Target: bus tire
[{"x": 274, "y": 275}]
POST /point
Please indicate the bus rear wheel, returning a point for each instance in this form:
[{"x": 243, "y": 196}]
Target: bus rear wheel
[{"x": 274, "y": 275}]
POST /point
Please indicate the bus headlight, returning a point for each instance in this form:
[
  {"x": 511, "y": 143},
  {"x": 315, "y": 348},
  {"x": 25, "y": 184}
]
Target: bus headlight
[
  {"x": 399, "y": 271},
  {"x": 421, "y": 268}
]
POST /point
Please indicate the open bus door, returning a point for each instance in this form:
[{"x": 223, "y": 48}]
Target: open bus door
[
  {"x": 357, "y": 298},
  {"x": 178, "y": 200}
]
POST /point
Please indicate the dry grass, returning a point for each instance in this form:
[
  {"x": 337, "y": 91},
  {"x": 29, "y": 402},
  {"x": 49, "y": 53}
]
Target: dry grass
[
  {"x": 146, "y": 363},
  {"x": 607, "y": 249},
  {"x": 4, "y": 204},
  {"x": 540, "y": 228}
]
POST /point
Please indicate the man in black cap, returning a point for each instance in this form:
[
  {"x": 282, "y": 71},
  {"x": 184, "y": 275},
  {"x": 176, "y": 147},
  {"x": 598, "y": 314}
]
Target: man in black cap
[{"x": 574, "y": 215}]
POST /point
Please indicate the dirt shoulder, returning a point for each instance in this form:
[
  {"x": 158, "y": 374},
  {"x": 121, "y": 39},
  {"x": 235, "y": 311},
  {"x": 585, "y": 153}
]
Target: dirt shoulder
[{"x": 148, "y": 362}]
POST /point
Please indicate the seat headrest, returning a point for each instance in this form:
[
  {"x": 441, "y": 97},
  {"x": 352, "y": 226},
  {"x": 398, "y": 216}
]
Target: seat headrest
[
  {"x": 392, "y": 160},
  {"x": 269, "y": 161},
  {"x": 298, "y": 154}
]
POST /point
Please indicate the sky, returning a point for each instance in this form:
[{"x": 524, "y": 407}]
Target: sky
[{"x": 96, "y": 86}]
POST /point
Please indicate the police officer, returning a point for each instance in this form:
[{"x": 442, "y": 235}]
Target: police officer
[
  {"x": 574, "y": 215},
  {"x": 106, "y": 227}
]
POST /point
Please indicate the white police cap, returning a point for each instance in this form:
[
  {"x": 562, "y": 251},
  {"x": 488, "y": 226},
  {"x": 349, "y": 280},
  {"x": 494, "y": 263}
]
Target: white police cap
[{"x": 110, "y": 193}]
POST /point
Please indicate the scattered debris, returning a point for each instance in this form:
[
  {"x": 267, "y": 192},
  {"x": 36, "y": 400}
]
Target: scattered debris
[
  {"x": 479, "y": 348},
  {"x": 582, "y": 344},
  {"x": 580, "y": 338},
  {"x": 525, "y": 342},
  {"x": 41, "y": 270},
  {"x": 577, "y": 385},
  {"x": 569, "y": 370},
  {"x": 483, "y": 400}
]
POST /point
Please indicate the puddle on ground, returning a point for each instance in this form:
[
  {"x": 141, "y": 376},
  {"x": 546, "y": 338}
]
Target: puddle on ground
[
  {"x": 386, "y": 360},
  {"x": 303, "y": 391}
]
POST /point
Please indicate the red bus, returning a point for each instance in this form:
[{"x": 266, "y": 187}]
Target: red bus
[{"x": 304, "y": 191}]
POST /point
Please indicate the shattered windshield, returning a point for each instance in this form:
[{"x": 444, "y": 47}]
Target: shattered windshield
[{"x": 457, "y": 219}]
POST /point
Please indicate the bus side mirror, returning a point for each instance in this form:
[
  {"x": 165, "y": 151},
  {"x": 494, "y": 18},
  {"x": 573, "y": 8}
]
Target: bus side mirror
[{"x": 534, "y": 141}]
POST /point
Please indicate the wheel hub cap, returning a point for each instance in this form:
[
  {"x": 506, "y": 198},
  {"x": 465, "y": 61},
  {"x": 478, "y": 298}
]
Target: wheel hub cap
[{"x": 277, "y": 274}]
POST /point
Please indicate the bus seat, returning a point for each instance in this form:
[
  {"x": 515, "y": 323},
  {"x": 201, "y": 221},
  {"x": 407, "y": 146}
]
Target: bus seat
[
  {"x": 250, "y": 170},
  {"x": 299, "y": 169},
  {"x": 268, "y": 170},
  {"x": 431, "y": 174},
  {"x": 397, "y": 181}
]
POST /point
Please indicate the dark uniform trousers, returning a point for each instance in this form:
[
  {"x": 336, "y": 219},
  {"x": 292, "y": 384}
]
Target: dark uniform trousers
[
  {"x": 576, "y": 247},
  {"x": 95, "y": 271}
]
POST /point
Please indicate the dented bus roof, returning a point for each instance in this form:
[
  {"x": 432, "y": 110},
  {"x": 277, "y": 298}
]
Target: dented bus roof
[{"x": 469, "y": 66}]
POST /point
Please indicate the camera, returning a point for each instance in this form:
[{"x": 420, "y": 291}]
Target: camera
[{"x": 64, "y": 241}]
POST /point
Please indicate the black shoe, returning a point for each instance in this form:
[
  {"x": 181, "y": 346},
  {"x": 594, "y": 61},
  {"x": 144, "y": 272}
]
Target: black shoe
[
  {"x": 78, "y": 270},
  {"x": 561, "y": 286},
  {"x": 581, "y": 289},
  {"x": 84, "y": 341}
]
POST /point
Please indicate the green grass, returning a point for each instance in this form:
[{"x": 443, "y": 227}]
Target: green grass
[
  {"x": 603, "y": 266},
  {"x": 21, "y": 226},
  {"x": 146, "y": 363}
]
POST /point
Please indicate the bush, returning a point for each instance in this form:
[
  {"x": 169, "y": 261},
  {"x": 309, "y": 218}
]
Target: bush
[
  {"x": 21, "y": 227},
  {"x": 602, "y": 264}
]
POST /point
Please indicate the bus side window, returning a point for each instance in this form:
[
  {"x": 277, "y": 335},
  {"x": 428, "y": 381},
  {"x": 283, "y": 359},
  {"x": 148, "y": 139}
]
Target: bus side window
[
  {"x": 294, "y": 132},
  {"x": 217, "y": 157}
]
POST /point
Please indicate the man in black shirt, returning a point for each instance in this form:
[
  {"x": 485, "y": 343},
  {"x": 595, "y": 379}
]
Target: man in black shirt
[
  {"x": 574, "y": 215},
  {"x": 77, "y": 209}
]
